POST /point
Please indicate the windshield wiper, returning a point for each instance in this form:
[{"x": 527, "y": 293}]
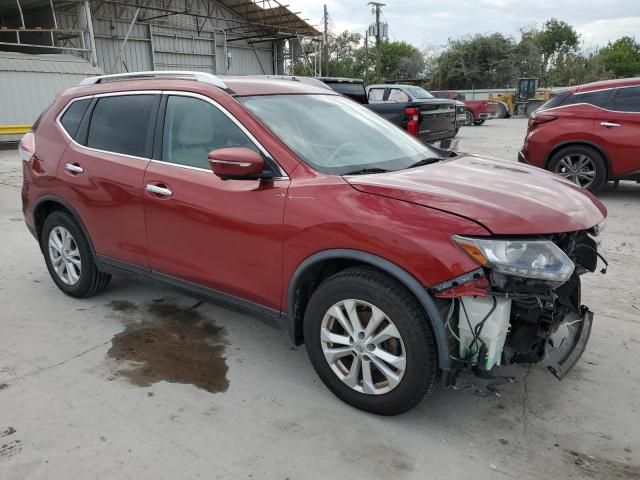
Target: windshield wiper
[
  {"x": 364, "y": 171},
  {"x": 425, "y": 161}
]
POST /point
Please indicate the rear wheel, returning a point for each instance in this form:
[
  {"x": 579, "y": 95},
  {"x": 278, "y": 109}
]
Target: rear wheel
[
  {"x": 69, "y": 258},
  {"x": 477, "y": 123},
  {"x": 370, "y": 342},
  {"x": 582, "y": 165}
]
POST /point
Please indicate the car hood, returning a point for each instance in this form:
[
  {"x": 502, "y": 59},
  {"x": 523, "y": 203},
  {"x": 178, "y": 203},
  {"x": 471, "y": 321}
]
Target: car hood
[{"x": 507, "y": 198}]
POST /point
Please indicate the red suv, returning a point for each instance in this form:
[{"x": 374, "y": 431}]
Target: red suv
[
  {"x": 588, "y": 134},
  {"x": 395, "y": 263}
]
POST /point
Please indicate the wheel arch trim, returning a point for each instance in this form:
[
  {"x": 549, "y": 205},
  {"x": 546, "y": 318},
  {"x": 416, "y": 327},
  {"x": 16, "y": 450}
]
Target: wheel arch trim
[
  {"x": 64, "y": 203},
  {"x": 294, "y": 326}
]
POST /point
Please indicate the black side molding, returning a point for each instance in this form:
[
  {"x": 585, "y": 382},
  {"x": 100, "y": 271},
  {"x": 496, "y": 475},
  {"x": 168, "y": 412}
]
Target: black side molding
[{"x": 268, "y": 315}]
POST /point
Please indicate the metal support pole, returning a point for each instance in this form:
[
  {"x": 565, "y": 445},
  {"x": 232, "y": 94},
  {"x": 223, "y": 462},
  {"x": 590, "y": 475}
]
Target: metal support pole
[
  {"x": 124, "y": 42},
  {"x": 92, "y": 39},
  {"x": 325, "y": 42},
  {"x": 21, "y": 15}
]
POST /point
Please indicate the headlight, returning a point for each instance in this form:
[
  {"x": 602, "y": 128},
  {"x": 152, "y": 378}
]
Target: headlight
[{"x": 541, "y": 259}]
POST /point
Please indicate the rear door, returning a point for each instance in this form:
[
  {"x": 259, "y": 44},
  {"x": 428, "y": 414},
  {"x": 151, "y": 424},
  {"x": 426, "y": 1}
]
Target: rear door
[
  {"x": 619, "y": 130},
  {"x": 103, "y": 169},
  {"x": 225, "y": 235}
]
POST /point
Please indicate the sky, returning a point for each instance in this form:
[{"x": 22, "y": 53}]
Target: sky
[{"x": 428, "y": 24}]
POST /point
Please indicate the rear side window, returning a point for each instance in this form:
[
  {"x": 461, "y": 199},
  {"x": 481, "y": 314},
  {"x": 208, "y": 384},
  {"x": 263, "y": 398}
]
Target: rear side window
[
  {"x": 122, "y": 124},
  {"x": 376, "y": 94},
  {"x": 71, "y": 119},
  {"x": 627, "y": 100}
]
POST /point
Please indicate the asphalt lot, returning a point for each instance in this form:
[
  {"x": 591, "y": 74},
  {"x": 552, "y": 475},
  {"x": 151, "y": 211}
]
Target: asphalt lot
[{"x": 73, "y": 405}]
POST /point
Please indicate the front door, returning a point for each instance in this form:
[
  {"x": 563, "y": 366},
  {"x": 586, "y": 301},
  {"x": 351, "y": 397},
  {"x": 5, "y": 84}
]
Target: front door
[{"x": 222, "y": 234}]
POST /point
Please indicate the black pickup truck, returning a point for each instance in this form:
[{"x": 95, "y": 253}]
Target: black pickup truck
[{"x": 428, "y": 118}]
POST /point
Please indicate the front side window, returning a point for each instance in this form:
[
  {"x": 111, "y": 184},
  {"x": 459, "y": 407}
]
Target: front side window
[
  {"x": 627, "y": 99},
  {"x": 122, "y": 124},
  {"x": 193, "y": 128},
  {"x": 72, "y": 117},
  {"x": 398, "y": 96},
  {"x": 335, "y": 135}
]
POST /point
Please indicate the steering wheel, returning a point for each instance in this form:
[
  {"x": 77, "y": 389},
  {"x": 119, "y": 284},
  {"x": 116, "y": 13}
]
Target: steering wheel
[{"x": 336, "y": 153}]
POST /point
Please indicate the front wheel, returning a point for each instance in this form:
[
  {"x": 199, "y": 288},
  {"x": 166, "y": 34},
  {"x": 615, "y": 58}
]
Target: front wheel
[
  {"x": 470, "y": 118},
  {"x": 477, "y": 123},
  {"x": 582, "y": 165},
  {"x": 370, "y": 342}
]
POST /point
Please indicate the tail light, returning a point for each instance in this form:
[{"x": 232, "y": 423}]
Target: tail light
[
  {"x": 539, "y": 118},
  {"x": 27, "y": 146},
  {"x": 413, "y": 125}
]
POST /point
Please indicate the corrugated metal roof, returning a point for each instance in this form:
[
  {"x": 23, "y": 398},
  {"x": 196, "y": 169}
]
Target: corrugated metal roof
[{"x": 46, "y": 63}]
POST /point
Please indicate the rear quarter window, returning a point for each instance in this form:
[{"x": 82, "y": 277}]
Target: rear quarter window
[
  {"x": 597, "y": 98},
  {"x": 72, "y": 117}
]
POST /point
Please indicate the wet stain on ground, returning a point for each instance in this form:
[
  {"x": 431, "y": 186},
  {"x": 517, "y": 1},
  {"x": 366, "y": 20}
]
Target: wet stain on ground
[
  {"x": 173, "y": 343},
  {"x": 601, "y": 468},
  {"x": 123, "y": 306}
]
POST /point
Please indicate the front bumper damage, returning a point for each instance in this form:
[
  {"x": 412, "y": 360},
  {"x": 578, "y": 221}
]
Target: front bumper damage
[{"x": 495, "y": 319}]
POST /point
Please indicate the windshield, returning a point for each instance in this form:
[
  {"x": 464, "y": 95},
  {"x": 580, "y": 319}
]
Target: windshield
[
  {"x": 336, "y": 135},
  {"x": 418, "y": 92}
]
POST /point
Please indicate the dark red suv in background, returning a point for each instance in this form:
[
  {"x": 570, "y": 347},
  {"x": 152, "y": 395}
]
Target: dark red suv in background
[
  {"x": 588, "y": 134},
  {"x": 395, "y": 263}
]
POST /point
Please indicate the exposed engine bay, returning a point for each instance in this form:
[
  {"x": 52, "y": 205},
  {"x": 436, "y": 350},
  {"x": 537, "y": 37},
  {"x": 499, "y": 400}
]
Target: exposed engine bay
[{"x": 500, "y": 314}]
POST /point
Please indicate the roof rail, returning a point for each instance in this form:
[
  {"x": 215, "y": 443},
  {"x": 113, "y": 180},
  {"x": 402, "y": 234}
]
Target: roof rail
[
  {"x": 176, "y": 74},
  {"x": 297, "y": 78}
]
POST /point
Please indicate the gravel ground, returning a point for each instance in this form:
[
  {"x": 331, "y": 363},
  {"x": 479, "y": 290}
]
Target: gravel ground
[{"x": 69, "y": 407}]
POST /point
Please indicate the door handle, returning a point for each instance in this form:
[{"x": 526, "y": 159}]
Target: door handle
[
  {"x": 163, "y": 191},
  {"x": 73, "y": 168},
  {"x": 610, "y": 124}
]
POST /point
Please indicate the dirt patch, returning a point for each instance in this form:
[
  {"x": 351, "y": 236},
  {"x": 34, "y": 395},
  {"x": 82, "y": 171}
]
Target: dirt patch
[
  {"x": 171, "y": 343},
  {"x": 601, "y": 468},
  {"x": 122, "y": 306}
]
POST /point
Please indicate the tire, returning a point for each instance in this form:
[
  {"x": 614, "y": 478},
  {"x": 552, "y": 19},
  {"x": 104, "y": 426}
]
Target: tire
[
  {"x": 504, "y": 113},
  {"x": 414, "y": 343},
  {"x": 572, "y": 155},
  {"x": 477, "y": 123},
  {"x": 470, "y": 118},
  {"x": 81, "y": 281}
]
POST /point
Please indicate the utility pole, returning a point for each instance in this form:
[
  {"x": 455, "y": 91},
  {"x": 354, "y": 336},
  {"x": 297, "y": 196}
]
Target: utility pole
[
  {"x": 325, "y": 42},
  {"x": 377, "y": 6},
  {"x": 366, "y": 53}
]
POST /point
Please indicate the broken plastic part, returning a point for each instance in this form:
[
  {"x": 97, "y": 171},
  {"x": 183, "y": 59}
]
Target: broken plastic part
[{"x": 561, "y": 358}]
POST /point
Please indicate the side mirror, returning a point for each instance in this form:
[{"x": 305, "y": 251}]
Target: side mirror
[{"x": 236, "y": 163}]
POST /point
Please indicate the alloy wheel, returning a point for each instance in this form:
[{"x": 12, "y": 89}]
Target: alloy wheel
[
  {"x": 363, "y": 347},
  {"x": 64, "y": 255},
  {"x": 578, "y": 167}
]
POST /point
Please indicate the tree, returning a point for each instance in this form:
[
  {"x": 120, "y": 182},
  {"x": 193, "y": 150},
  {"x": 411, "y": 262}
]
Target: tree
[
  {"x": 622, "y": 57},
  {"x": 479, "y": 61},
  {"x": 556, "y": 38}
]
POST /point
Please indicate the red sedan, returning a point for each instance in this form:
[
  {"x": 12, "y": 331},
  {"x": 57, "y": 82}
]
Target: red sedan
[{"x": 588, "y": 134}]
